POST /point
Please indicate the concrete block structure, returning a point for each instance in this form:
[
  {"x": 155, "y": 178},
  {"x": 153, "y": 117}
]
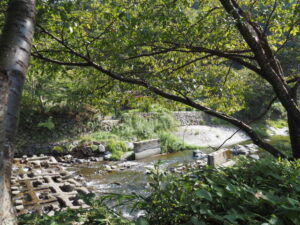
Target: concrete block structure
[
  {"x": 220, "y": 157},
  {"x": 144, "y": 149},
  {"x": 40, "y": 185}
]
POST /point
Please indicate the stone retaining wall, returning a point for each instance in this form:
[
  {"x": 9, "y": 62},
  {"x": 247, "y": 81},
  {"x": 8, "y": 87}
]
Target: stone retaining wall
[{"x": 187, "y": 118}]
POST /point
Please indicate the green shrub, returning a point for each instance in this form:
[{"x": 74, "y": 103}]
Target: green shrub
[
  {"x": 277, "y": 123},
  {"x": 277, "y": 111},
  {"x": 262, "y": 131},
  {"x": 98, "y": 214},
  {"x": 282, "y": 143},
  {"x": 49, "y": 124},
  {"x": 252, "y": 192},
  {"x": 58, "y": 149},
  {"x": 170, "y": 143},
  {"x": 136, "y": 127},
  {"x": 117, "y": 149}
]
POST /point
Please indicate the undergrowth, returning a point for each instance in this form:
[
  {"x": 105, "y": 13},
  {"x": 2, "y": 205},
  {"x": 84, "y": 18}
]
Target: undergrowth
[
  {"x": 117, "y": 149},
  {"x": 251, "y": 192},
  {"x": 262, "y": 192},
  {"x": 137, "y": 126}
]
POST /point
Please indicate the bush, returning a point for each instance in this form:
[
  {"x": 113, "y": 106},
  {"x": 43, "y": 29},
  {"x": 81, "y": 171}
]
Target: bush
[
  {"x": 282, "y": 143},
  {"x": 58, "y": 149},
  {"x": 117, "y": 149},
  {"x": 137, "y": 127},
  {"x": 262, "y": 131},
  {"x": 170, "y": 143},
  {"x": 277, "y": 123},
  {"x": 98, "y": 214},
  {"x": 252, "y": 192}
]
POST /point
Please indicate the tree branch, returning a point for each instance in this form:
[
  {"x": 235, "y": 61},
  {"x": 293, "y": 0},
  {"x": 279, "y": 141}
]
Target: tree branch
[{"x": 187, "y": 101}]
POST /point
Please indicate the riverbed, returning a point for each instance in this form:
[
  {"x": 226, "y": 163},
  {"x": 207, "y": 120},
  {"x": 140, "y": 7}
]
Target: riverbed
[{"x": 134, "y": 178}]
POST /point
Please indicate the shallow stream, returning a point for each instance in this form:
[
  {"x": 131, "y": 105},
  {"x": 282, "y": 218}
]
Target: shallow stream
[
  {"x": 134, "y": 178},
  {"x": 131, "y": 179}
]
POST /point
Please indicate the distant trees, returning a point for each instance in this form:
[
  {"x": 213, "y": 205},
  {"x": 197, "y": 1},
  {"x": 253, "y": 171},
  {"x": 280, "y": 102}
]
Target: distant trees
[
  {"x": 15, "y": 47},
  {"x": 186, "y": 51}
]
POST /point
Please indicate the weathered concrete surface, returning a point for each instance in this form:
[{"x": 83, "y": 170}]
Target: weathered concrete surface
[
  {"x": 219, "y": 157},
  {"x": 145, "y": 145},
  {"x": 147, "y": 153},
  {"x": 143, "y": 149},
  {"x": 40, "y": 185}
]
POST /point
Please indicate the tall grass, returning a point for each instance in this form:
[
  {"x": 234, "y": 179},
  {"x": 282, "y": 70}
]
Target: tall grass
[{"x": 137, "y": 127}]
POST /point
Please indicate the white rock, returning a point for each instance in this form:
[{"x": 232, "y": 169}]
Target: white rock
[{"x": 101, "y": 148}]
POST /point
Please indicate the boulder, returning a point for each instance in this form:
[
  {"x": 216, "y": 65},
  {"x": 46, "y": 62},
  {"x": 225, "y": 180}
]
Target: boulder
[
  {"x": 101, "y": 148},
  {"x": 240, "y": 150},
  {"x": 254, "y": 157},
  {"x": 129, "y": 145},
  {"x": 199, "y": 154},
  {"x": 107, "y": 155}
]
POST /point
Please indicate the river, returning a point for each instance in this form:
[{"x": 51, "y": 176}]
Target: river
[{"x": 134, "y": 178}]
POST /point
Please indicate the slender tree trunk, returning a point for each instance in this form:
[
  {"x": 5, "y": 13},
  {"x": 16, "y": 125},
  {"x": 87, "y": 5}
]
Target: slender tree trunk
[
  {"x": 294, "y": 130},
  {"x": 15, "y": 47}
]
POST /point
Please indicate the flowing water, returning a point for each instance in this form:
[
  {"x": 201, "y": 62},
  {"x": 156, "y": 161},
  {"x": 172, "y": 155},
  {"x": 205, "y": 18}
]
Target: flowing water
[
  {"x": 134, "y": 177},
  {"x": 131, "y": 179}
]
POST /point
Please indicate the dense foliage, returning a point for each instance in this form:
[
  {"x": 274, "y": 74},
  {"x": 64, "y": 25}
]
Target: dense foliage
[
  {"x": 136, "y": 126},
  {"x": 251, "y": 192},
  {"x": 261, "y": 192}
]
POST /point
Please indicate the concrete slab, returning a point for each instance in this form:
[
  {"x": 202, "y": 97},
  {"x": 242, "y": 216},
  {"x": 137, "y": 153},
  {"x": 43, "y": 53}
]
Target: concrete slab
[
  {"x": 40, "y": 185},
  {"x": 145, "y": 145},
  {"x": 147, "y": 153},
  {"x": 219, "y": 157}
]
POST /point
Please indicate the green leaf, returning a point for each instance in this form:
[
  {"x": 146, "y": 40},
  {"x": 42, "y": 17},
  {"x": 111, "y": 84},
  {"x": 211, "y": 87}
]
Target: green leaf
[
  {"x": 204, "y": 194},
  {"x": 142, "y": 221},
  {"x": 194, "y": 220}
]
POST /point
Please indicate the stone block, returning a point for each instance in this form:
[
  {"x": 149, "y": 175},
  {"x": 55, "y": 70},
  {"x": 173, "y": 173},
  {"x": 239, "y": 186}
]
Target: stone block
[
  {"x": 219, "y": 157},
  {"x": 19, "y": 207},
  {"x": 45, "y": 186},
  {"x": 145, "y": 145},
  {"x": 147, "y": 153}
]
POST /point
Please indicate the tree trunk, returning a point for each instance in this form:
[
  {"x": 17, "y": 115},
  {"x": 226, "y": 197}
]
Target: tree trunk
[
  {"x": 15, "y": 47},
  {"x": 294, "y": 130}
]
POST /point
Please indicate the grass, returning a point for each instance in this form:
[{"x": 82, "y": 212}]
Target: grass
[
  {"x": 99, "y": 135},
  {"x": 170, "y": 143},
  {"x": 136, "y": 127},
  {"x": 277, "y": 123},
  {"x": 117, "y": 148},
  {"x": 282, "y": 143},
  {"x": 261, "y": 130}
]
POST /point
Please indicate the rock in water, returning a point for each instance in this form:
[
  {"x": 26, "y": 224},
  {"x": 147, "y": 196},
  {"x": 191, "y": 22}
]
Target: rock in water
[
  {"x": 107, "y": 155},
  {"x": 240, "y": 150},
  {"x": 255, "y": 157},
  {"x": 199, "y": 154}
]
